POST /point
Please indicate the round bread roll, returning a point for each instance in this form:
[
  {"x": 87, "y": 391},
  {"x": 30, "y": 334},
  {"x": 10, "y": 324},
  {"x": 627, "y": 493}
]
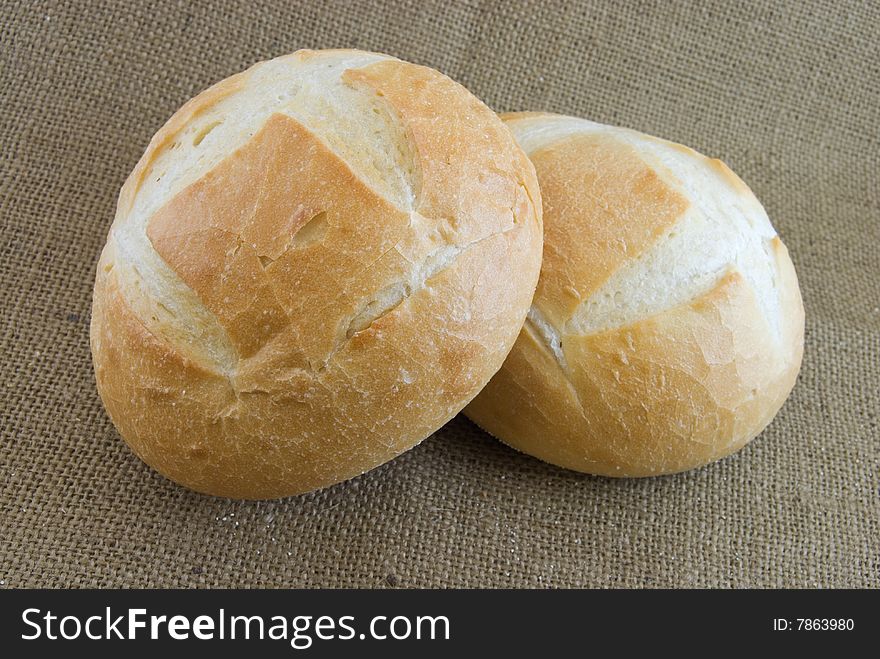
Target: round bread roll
[
  {"x": 315, "y": 265},
  {"x": 667, "y": 328}
]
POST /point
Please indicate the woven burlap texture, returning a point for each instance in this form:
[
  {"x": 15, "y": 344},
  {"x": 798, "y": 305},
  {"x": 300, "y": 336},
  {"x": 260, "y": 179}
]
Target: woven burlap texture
[{"x": 787, "y": 93}]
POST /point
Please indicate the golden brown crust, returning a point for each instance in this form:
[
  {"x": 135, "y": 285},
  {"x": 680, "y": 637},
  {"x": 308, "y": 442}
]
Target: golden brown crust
[
  {"x": 592, "y": 234},
  {"x": 357, "y": 327},
  {"x": 231, "y": 237},
  {"x": 670, "y": 391}
]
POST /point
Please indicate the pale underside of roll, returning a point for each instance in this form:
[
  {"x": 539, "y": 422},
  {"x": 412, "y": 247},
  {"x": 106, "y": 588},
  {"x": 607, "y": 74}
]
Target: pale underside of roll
[
  {"x": 667, "y": 326},
  {"x": 315, "y": 264}
]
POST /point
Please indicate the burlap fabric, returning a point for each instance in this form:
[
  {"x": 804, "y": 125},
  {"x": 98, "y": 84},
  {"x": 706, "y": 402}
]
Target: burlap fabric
[{"x": 788, "y": 93}]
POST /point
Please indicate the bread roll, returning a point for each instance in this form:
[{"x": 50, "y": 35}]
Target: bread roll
[
  {"x": 315, "y": 264},
  {"x": 667, "y": 328}
]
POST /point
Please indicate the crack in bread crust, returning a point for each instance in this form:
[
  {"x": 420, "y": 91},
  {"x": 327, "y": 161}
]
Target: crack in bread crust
[{"x": 394, "y": 295}]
